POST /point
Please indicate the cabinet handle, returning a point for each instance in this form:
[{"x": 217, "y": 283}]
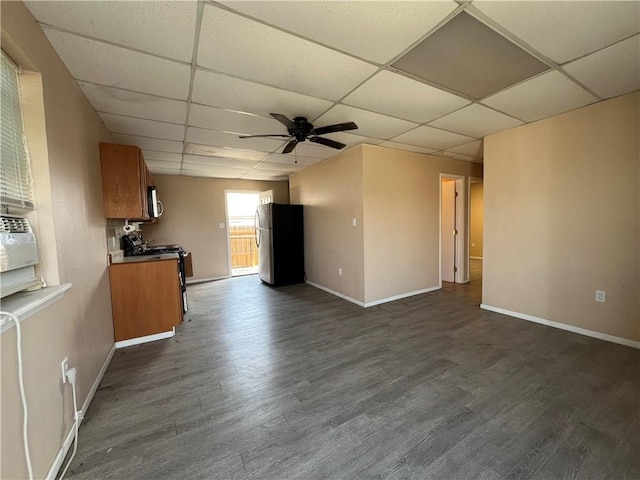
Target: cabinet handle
[{"x": 160, "y": 208}]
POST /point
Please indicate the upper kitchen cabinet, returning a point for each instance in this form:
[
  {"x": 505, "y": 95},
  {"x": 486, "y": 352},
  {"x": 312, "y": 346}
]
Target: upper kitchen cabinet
[{"x": 126, "y": 182}]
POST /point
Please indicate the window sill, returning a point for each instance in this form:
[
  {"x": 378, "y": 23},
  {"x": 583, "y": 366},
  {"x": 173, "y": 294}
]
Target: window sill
[{"x": 25, "y": 304}]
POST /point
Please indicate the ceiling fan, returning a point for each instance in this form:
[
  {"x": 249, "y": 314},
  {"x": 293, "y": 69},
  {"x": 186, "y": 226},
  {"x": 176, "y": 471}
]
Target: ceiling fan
[{"x": 300, "y": 129}]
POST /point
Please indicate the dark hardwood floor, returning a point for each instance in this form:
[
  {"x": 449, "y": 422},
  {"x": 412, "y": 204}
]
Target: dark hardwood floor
[{"x": 294, "y": 383}]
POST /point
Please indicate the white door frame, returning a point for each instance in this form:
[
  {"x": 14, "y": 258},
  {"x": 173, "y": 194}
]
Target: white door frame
[
  {"x": 470, "y": 180},
  {"x": 226, "y": 215},
  {"x": 461, "y": 274}
]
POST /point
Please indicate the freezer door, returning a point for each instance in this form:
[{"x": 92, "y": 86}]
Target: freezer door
[{"x": 263, "y": 216}]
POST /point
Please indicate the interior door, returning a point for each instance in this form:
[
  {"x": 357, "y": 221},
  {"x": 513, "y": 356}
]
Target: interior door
[
  {"x": 266, "y": 197},
  {"x": 448, "y": 226}
]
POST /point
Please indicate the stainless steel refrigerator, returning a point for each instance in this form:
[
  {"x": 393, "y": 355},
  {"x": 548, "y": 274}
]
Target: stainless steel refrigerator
[{"x": 280, "y": 239}]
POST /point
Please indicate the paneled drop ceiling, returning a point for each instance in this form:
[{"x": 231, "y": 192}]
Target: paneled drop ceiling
[{"x": 183, "y": 79}]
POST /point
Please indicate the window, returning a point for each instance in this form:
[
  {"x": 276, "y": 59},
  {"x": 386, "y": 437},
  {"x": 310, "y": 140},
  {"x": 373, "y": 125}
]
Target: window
[{"x": 15, "y": 175}]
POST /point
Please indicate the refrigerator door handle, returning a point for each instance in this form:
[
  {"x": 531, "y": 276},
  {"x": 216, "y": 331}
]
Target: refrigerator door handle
[{"x": 256, "y": 222}]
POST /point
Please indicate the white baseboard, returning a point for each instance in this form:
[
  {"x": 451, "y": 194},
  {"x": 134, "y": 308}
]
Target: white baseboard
[
  {"x": 203, "y": 280},
  {"x": 476, "y": 258},
  {"x": 564, "y": 326},
  {"x": 375, "y": 302},
  {"x": 402, "y": 295},
  {"x": 66, "y": 445},
  {"x": 148, "y": 338},
  {"x": 337, "y": 294}
]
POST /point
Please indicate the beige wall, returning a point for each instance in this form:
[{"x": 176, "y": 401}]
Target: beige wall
[
  {"x": 393, "y": 195},
  {"x": 547, "y": 249},
  {"x": 78, "y": 326},
  {"x": 476, "y": 221},
  {"x": 331, "y": 192},
  {"x": 193, "y": 209},
  {"x": 401, "y": 219}
]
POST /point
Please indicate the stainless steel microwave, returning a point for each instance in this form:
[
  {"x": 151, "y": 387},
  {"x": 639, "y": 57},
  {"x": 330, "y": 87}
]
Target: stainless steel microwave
[{"x": 155, "y": 206}]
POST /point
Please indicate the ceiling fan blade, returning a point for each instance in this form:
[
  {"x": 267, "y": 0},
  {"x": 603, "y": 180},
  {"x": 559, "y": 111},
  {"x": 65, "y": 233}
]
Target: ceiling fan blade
[
  {"x": 290, "y": 146},
  {"x": 338, "y": 127},
  {"x": 266, "y": 135},
  {"x": 284, "y": 120},
  {"x": 327, "y": 142}
]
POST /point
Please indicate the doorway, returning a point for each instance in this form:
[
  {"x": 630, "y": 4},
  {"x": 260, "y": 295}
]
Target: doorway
[
  {"x": 476, "y": 222},
  {"x": 241, "y": 232},
  {"x": 453, "y": 256}
]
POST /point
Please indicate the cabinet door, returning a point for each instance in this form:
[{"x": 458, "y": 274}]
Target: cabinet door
[
  {"x": 124, "y": 182},
  {"x": 145, "y": 298},
  {"x": 144, "y": 185}
]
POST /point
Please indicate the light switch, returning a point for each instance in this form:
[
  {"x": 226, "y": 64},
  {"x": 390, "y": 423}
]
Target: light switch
[
  {"x": 354, "y": 222},
  {"x": 221, "y": 225}
]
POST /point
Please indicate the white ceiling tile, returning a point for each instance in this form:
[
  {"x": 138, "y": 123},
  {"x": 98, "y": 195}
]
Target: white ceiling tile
[
  {"x": 223, "y": 91},
  {"x": 409, "y": 148},
  {"x": 142, "y": 128},
  {"x": 162, "y": 156},
  {"x": 257, "y": 176},
  {"x": 288, "y": 159},
  {"x": 236, "y": 45},
  {"x": 164, "y": 171},
  {"x": 473, "y": 149},
  {"x": 157, "y": 164},
  {"x": 459, "y": 156},
  {"x": 402, "y": 97},
  {"x": 104, "y": 64},
  {"x": 476, "y": 121},
  {"x": 612, "y": 71},
  {"x": 228, "y": 121},
  {"x": 279, "y": 167},
  {"x": 220, "y": 161},
  {"x": 369, "y": 124},
  {"x": 432, "y": 138},
  {"x": 210, "y": 173},
  {"x": 224, "y": 152},
  {"x": 203, "y": 167},
  {"x": 162, "y": 28},
  {"x": 146, "y": 143},
  {"x": 133, "y": 104},
  {"x": 549, "y": 94},
  {"x": 351, "y": 140},
  {"x": 222, "y": 139},
  {"x": 347, "y": 26},
  {"x": 565, "y": 30},
  {"x": 268, "y": 173}
]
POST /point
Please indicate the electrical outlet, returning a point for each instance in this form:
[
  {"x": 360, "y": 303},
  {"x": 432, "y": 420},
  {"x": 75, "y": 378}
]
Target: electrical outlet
[
  {"x": 221, "y": 225},
  {"x": 65, "y": 366},
  {"x": 601, "y": 296},
  {"x": 339, "y": 271},
  {"x": 354, "y": 222}
]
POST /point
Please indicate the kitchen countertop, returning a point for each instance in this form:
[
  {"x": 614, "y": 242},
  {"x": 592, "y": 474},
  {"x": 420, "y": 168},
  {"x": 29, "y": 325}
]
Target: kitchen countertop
[{"x": 145, "y": 258}]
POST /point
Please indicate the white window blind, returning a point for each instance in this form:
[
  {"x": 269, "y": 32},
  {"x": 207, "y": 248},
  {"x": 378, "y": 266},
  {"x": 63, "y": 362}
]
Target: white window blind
[{"x": 15, "y": 175}]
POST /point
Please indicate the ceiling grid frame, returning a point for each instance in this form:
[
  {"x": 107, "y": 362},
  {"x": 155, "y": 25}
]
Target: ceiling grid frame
[{"x": 466, "y": 6}]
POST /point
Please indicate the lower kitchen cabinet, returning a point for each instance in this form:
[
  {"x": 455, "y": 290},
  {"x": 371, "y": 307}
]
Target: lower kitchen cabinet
[{"x": 146, "y": 298}]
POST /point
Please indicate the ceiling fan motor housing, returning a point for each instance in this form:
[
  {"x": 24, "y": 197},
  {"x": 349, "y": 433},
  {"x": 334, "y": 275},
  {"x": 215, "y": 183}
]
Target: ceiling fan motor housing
[{"x": 302, "y": 129}]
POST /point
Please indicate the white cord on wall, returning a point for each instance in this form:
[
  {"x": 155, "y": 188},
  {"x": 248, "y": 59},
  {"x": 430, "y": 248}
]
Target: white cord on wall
[
  {"x": 77, "y": 417},
  {"x": 25, "y": 417}
]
